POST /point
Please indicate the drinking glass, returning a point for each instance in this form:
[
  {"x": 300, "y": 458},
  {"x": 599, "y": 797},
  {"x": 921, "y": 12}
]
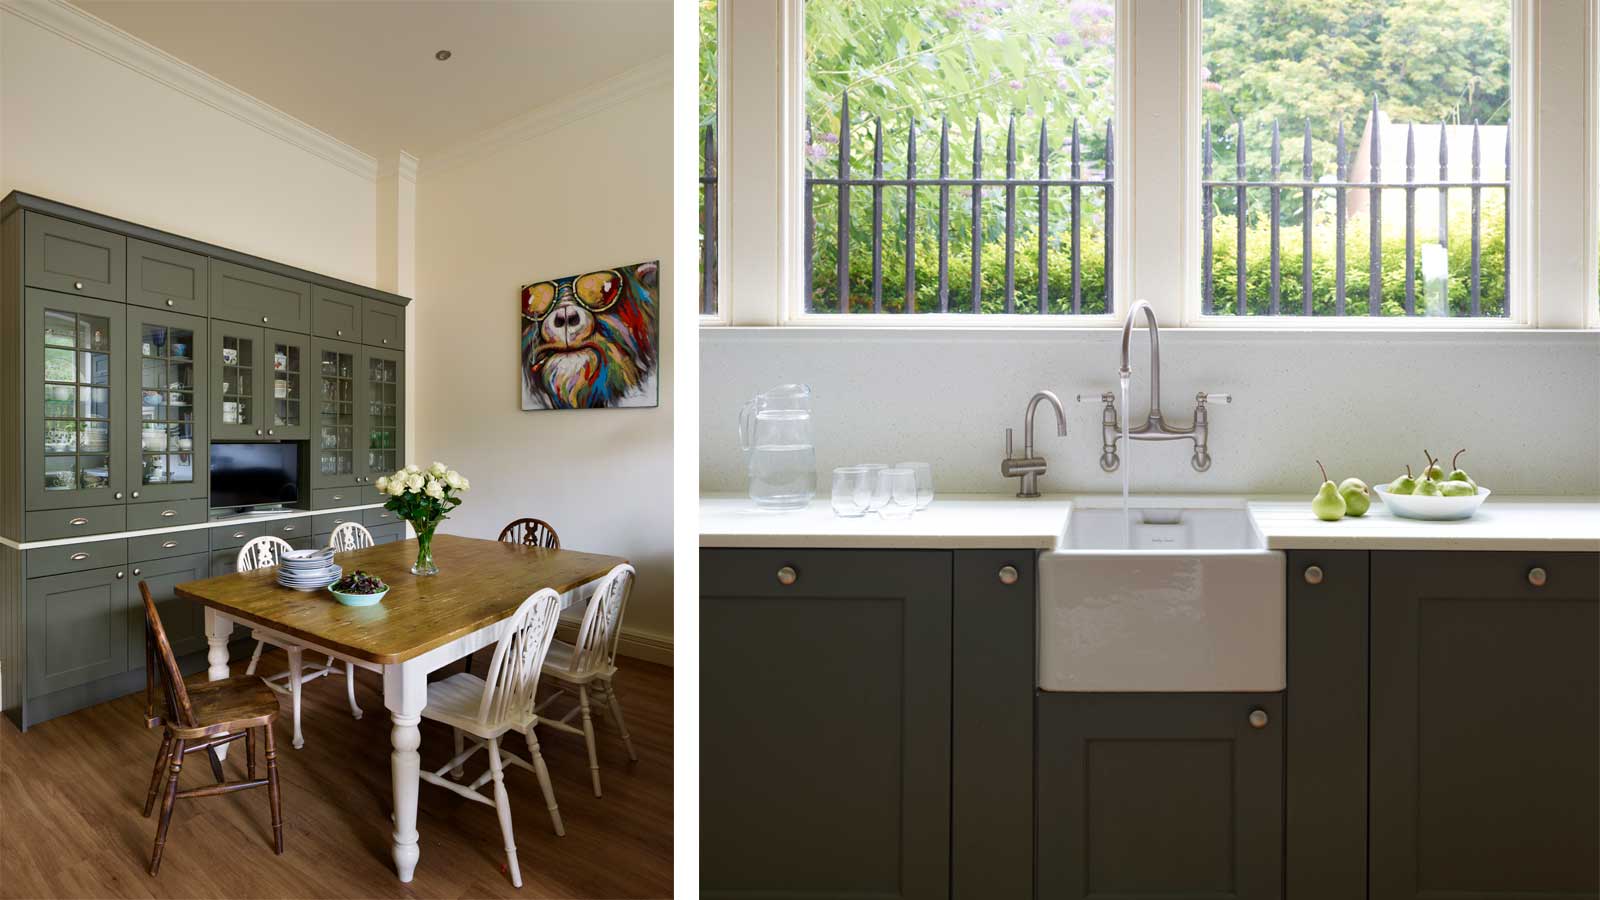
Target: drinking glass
[
  {"x": 924, "y": 473},
  {"x": 879, "y": 490},
  {"x": 852, "y": 491},
  {"x": 900, "y": 487}
]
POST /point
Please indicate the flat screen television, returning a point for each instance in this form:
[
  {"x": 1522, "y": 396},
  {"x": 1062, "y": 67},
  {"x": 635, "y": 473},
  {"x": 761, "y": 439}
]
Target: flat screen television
[{"x": 254, "y": 474}]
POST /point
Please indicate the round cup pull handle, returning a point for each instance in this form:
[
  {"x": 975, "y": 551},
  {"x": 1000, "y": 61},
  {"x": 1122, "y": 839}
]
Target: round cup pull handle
[
  {"x": 1258, "y": 718},
  {"x": 80, "y": 556},
  {"x": 77, "y": 520},
  {"x": 1008, "y": 574},
  {"x": 168, "y": 513},
  {"x": 787, "y": 575},
  {"x": 238, "y": 534},
  {"x": 168, "y": 545},
  {"x": 1537, "y": 576},
  {"x": 1313, "y": 576}
]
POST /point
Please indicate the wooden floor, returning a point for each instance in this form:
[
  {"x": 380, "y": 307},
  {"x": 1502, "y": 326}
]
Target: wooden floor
[{"x": 72, "y": 789}]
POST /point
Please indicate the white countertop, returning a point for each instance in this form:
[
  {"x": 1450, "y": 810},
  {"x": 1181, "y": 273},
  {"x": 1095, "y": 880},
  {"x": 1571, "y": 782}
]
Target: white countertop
[{"x": 975, "y": 521}]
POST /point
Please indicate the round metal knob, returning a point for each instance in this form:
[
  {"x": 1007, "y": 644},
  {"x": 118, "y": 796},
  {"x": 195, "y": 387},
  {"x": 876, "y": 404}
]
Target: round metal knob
[
  {"x": 170, "y": 303},
  {"x": 269, "y": 431},
  {"x": 1258, "y": 718},
  {"x": 1008, "y": 574},
  {"x": 386, "y": 340},
  {"x": 339, "y": 332},
  {"x": 258, "y": 432},
  {"x": 79, "y": 285},
  {"x": 117, "y": 496},
  {"x": 1537, "y": 576},
  {"x": 787, "y": 575},
  {"x": 137, "y": 571},
  {"x": 1313, "y": 574},
  {"x": 263, "y": 318},
  {"x": 119, "y": 574},
  {"x": 135, "y": 495}
]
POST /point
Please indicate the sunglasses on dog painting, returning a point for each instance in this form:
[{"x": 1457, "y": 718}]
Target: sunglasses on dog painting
[{"x": 596, "y": 292}]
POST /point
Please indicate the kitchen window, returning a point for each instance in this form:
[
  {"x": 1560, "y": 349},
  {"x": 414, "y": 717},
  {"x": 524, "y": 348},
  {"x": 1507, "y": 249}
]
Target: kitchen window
[
  {"x": 706, "y": 148},
  {"x": 876, "y": 111}
]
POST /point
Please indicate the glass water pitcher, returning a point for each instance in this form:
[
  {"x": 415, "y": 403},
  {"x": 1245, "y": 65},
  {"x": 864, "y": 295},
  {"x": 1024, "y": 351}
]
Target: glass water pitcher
[{"x": 775, "y": 434}]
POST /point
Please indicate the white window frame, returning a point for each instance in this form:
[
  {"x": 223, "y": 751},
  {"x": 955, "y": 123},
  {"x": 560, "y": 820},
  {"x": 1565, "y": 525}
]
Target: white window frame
[{"x": 1555, "y": 128}]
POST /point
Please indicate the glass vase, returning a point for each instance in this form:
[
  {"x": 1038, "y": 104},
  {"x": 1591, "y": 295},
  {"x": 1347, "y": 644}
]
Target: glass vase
[{"x": 424, "y": 564}]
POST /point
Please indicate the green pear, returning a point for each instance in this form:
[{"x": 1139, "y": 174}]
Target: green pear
[
  {"x": 1459, "y": 474},
  {"x": 1426, "y": 488},
  {"x": 1433, "y": 472},
  {"x": 1457, "y": 488},
  {"x": 1405, "y": 484},
  {"x": 1357, "y": 498},
  {"x": 1327, "y": 505}
]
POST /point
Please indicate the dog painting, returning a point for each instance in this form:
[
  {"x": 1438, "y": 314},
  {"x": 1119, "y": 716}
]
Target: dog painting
[{"x": 590, "y": 341}]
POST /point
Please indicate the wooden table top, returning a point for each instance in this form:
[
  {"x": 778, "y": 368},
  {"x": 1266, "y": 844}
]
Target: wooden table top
[{"x": 479, "y": 583}]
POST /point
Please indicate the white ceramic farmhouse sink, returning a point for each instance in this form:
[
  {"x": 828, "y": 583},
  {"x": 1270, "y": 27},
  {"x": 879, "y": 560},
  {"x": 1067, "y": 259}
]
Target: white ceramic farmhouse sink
[{"x": 1196, "y": 604}]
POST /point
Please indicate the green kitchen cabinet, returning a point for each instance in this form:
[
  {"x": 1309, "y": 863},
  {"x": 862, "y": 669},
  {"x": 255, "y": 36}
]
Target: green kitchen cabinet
[
  {"x": 337, "y": 388},
  {"x": 75, "y": 401},
  {"x": 260, "y": 380},
  {"x": 1485, "y": 736},
  {"x": 255, "y": 297},
  {"x": 77, "y": 628},
  {"x": 73, "y": 258},
  {"x": 336, "y": 315},
  {"x": 825, "y": 743},
  {"x": 381, "y": 417},
  {"x": 166, "y": 278},
  {"x": 184, "y": 620},
  {"x": 383, "y": 324},
  {"x": 167, "y": 385},
  {"x": 1164, "y": 794}
]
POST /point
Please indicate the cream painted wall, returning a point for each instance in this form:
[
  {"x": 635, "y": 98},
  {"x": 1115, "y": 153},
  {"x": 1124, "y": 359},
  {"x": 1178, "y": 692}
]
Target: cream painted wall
[
  {"x": 82, "y": 128},
  {"x": 577, "y": 195}
]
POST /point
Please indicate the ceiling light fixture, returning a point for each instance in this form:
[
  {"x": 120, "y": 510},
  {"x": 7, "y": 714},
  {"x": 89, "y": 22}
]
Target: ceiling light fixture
[{"x": 442, "y": 55}]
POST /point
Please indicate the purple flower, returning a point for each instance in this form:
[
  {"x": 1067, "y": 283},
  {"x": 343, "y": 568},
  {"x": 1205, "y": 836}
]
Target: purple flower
[
  {"x": 817, "y": 153},
  {"x": 828, "y": 137},
  {"x": 1205, "y": 73},
  {"x": 1064, "y": 39},
  {"x": 1016, "y": 85}
]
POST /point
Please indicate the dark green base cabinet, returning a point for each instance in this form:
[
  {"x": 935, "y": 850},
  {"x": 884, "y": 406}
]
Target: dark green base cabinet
[
  {"x": 866, "y": 723},
  {"x": 1475, "y": 679},
  {"x": 1160, "y": 795}
]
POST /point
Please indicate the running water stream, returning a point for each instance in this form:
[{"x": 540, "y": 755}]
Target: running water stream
[{"x": 1127, "y": 462}]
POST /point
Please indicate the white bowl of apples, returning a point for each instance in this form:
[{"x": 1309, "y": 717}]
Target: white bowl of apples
[{"x": 1436, "y": 496}]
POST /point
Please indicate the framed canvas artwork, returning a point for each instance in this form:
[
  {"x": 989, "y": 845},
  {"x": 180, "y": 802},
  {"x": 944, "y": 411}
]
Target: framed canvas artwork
[{"x": 589, "y": 341}]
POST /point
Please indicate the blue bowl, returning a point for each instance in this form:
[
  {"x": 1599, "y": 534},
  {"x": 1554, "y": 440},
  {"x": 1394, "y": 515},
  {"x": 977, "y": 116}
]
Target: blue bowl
[{"x": 358, "y": 599}]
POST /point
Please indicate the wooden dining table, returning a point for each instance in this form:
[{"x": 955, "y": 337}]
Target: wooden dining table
[{"x": 422, "y": 624}]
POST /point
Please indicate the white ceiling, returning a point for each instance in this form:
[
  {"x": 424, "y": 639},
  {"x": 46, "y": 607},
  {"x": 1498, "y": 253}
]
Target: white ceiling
[{"x": 364, "y": 70}]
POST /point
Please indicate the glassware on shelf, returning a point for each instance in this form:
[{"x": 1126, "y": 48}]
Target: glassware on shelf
[
  {"x": 852, "y": 491},
  {"x": 899, "y": 487},
  {"x": 924, "y": 473},
  {"x": 879, "y": 487}
]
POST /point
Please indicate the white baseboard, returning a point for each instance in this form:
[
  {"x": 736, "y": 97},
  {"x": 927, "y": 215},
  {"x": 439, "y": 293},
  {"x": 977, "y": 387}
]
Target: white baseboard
[{"x": 642, "y": 645}]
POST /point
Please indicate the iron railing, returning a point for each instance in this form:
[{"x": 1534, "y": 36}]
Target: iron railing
[
  {"x": 708, "y": 221},
  {"x": 1341, "y": 186}
]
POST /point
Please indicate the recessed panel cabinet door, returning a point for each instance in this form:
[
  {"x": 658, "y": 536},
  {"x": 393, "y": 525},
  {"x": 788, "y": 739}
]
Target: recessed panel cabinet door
[
  {"x": 166, "y": 278},
  {"x": 1485, "y": 740},
  {"x": 825, "y": 723},
  {"x": 184, "y": 620},
  {"x": 335, "y": 314},
  {"x": 383, "y": 324},
  {"x": 251, "y": 296},
  {"x": 1160, "y": 795},
  {"x": 77, "y": 629},
  {"x": 73, "y": 259}
]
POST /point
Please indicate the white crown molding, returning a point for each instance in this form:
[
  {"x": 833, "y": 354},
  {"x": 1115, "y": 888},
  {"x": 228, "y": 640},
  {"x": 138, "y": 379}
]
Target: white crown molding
[
  {"x": 404, "y": 167},
  {"x": 535, "y": 123},
  {"x": 102, "y": 37}
]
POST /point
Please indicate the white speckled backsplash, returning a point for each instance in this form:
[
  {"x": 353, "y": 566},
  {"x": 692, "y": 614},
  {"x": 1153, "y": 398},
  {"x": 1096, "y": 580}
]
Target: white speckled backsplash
[{"x": 1525, "y": 404}]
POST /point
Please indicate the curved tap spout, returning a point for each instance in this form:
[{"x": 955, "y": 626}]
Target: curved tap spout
[
  {"x": 1155, "y": 354},
  {"x": 1027, "y": 424}
]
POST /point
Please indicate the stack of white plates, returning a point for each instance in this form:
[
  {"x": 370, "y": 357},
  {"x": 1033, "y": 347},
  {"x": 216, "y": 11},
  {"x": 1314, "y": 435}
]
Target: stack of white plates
[{"x": 308, "y": 570}]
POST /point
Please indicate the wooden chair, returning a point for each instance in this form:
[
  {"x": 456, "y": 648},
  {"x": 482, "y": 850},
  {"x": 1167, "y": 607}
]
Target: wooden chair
[
  {"x": 487, "y": 710},
  {"x": 350, "y": 536},
  {"x": 532, "y": 533},
  {"x": 260, "y": 553},
  {"x": 203, "y": 716},
  {"x": 590, "y": 664}
]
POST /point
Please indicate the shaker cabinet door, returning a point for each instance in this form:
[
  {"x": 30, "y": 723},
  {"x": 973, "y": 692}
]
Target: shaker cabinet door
[
  {"x": 381, "y": 417},
  {"x": 77, "y": 629},
  {"x": 165, "y": 278},
  {"x": 1485, "y": 744},
  {"x": 292, "y": 378},
  {"x": 251, "y": 296},
  {"x": 184, "y": 620},
  {"x": 74, "y": 259},
  {"x": 336, "y": 315},
  {"x": 334, "y": 390},
  {"x": 75, "y": 395},
  {"x": 825, "y": 743},
  {"x": 383, "y": 324},
  {"x": 167, "y": 381}
]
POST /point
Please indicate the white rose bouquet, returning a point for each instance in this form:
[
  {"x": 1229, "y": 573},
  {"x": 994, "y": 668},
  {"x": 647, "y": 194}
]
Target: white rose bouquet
[{"x": 423, "y": 497}]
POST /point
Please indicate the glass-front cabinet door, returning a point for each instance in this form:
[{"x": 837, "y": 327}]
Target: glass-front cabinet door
[
  {"x": 168, "y": 393},
  {"x": 333, "y": 441},
  {"x": 239, "y": 383},
  {"x": 291, "y": 375},
  {"x": 74, "y": 420},
  {"x": 383, "y": 405}
]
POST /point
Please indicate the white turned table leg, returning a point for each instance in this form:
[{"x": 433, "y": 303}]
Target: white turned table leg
[
  {"x": 405, "y": 693},
  {"x": 218, "y": 629}
]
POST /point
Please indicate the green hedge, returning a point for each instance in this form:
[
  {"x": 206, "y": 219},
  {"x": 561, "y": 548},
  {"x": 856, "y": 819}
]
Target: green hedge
[{"x": 1258, "y": 266}]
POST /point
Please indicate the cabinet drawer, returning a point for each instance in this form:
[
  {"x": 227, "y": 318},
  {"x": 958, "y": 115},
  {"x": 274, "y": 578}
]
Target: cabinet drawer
[
  {"x": 74, "y": 259},
  {"x": 325, "y": 523},
  {"x": 165, "y": 278},
  {"x": 164, "y": 546},
  {"x": 288, "y": 529},
  {"x": 333, "y": 498},
  {"x": 370, "y": 494},
  {"x": 165, "y": 515},
  {"x": 76, "y": 557},
  {"x": 379, "y": 516},
  {"x": 46, "y": 525},
  {"x": 335, "y": 314},
  {"x": 236, "y": 535},
  {"x": 383, "y": 324},
  {"x": 388, "y": 534},
  {"x": 241, "y": 294}
]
